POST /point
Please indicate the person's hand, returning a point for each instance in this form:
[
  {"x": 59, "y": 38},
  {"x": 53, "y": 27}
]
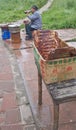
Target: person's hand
[{"x": 27, "y": 20}]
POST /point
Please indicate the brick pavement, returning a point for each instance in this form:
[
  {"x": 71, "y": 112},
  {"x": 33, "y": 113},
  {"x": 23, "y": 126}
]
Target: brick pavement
[
  {"x": 15, "y": 112},
  {"x": 22, "y": 60}
]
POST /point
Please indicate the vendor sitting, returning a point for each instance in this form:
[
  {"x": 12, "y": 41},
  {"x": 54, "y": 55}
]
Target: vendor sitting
[{"x": 32, "y": 22}]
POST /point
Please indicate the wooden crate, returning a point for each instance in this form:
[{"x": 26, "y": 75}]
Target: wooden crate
[{"x": 55, "y": 70}]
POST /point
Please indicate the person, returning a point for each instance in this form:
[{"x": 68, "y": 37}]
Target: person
[{"x": 32, "y": 22}]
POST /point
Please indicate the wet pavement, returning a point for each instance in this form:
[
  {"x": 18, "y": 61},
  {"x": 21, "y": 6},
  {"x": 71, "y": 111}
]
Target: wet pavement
[
  {"x": 23, "y": 80},
  {"x": 67, "y": 34},
  {"x": 15, "y": 112}
]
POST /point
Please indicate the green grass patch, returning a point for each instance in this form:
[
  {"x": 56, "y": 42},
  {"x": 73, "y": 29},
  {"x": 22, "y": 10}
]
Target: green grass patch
[
  {"x": 72, "y": 40},
  {"x": 62, "y": 14},
  {"x": 12, "y": 10}
]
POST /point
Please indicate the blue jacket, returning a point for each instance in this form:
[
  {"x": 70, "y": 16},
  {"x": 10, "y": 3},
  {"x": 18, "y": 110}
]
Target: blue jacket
[{"x": 36, "y": 20}]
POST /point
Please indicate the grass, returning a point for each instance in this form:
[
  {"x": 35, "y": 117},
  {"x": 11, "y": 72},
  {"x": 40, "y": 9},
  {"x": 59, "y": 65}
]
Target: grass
[
  {"x": 72, "y": 40},
  {"x": 62, "y": 14},
  {"x": 12, "y": 10}
]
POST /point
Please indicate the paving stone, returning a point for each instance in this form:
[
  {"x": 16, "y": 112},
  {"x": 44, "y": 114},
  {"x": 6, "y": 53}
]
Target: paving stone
[
  {"x": 50, "y": 127},
  {"x": 30, "y": 127},
  {"x": 18, "y": 127},
  {"x": 68, "y": 126},
  {"x": 5, "y": 68},
  {"x": 26, "y": 114},
  {"x": 72, "y": 44},
  {"x": 12, "y": 127},
  {"x": 6, "y": 76},
  {"x": 7, "y": 86},
  {"x": 3, "y": 61},
  {"x": 22, "y": 100},
  {"x": 13, "y": 116},
  {"x": 9, "y": 101},
  {"x": 2, "y": 120},
  {"x": 67, "y": 34}
]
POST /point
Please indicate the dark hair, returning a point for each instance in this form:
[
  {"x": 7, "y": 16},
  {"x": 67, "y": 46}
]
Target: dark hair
[{"x": 34, "y": 7}]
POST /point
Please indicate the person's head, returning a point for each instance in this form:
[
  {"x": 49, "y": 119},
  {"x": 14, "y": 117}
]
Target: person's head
[{"x": 34, "y": 8}]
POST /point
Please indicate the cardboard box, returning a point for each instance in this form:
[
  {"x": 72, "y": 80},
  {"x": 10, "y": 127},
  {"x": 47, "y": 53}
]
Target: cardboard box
[{"x": 55, "y": 70}]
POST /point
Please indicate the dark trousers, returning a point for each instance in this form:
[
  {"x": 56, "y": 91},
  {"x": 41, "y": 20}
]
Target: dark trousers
[{"x": 29, "y": 30}]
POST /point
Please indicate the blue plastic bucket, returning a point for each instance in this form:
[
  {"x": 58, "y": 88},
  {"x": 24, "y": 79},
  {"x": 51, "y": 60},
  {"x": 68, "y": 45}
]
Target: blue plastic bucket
[{"x": 5, "y": 32}]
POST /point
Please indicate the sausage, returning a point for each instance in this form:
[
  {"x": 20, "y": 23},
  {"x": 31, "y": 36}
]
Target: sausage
[{"x": 51, "y": 46}]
